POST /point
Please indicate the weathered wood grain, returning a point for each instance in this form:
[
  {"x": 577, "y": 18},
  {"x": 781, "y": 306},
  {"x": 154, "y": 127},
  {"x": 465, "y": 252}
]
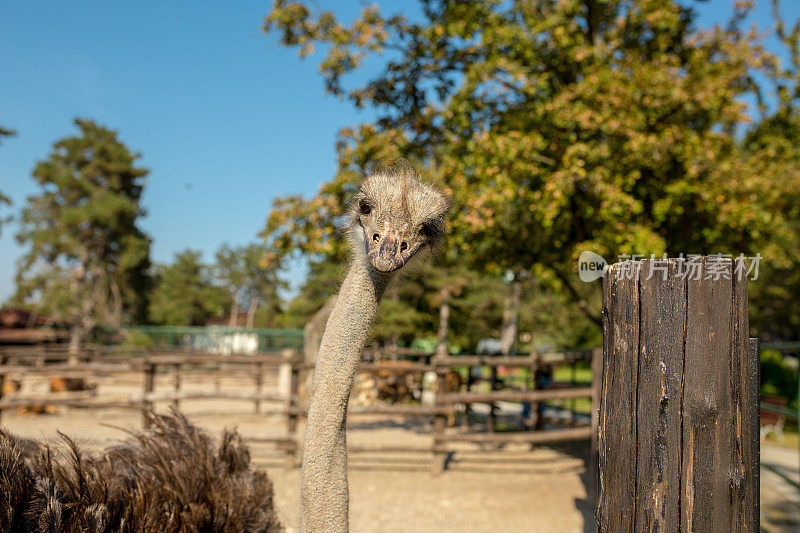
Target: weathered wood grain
[
  {"x": 678, "y": 435},
  {"x": 707, "y": 407},
  {"x": 593, "y": 474},
  {"x": 743, "y": 493},
  {"x": 617, "y": 423},
  {"x": 662, "y": 301},
  {"x": 754, "y": 386}
]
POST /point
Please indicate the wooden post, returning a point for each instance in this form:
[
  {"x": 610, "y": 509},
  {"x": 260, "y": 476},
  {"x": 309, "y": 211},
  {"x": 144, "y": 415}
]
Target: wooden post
[
  {"x": 572, "y": 378},
  {"x": 294, "y": 387},
  {"x": 594, "y": 475},
  {"x": 677, "y": 439},
  {"x": 149, "y": 387},
  {"x": 536, "y": 363},
  {"x": 439, "y": 422},
  {"x": 259, "y": 385},
  {"x": 2, "y": 386},
  {"x": 467, "y": 406},
  {"x": 491, "y": 421},
  {"x": 176, "y": 403},
  {"x": 754, "y": 372},
  {"x": 292, "y": 405}
]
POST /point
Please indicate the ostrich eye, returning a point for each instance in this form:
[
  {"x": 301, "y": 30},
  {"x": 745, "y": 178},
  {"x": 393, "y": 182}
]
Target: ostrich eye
[
  {"x": 364, "y": 207},
  {"x": 427, "y": 230}
]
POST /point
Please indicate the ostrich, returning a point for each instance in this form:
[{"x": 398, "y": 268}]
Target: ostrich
[
  {"x": 394, "y": 217},
  {"x": 171, "y": 477}
]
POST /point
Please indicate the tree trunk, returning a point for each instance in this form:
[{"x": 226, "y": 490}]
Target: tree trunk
[
  {"x": 80, "y": 316},
  {"x": 392, "y": 345},
  {"x": 75, "y": 338},
  {"x": 444, "y": 322},
  {"x": 234, "y": 310},
  {"x": 251, "y": 311},
  {"x": 508, "y": 337}
]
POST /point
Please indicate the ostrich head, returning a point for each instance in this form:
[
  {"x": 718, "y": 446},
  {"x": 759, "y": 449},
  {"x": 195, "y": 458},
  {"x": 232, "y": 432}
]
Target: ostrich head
[{"x": 396, "y": 215}]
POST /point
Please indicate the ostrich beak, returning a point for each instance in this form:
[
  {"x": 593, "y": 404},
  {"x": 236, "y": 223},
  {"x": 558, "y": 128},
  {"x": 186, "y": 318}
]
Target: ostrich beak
[{"x": 388, "y": 250}]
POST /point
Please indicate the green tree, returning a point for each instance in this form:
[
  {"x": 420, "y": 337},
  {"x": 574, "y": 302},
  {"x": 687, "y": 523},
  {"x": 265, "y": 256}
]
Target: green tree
[
  {"x": 559, "y": 126},
  {"x": 229, "y": 270},
  {"x": 772, "y": 148},
  {"x": 82, "y": 225},
  {"x": 185, "y": 294},
  {"x": 249, "y": 281},
  {"x": 319, "y": 285}
]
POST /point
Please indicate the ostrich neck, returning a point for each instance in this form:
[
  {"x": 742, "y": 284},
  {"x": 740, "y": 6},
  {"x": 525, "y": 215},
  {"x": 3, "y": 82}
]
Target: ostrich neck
[{"x": 324, "y": 477}]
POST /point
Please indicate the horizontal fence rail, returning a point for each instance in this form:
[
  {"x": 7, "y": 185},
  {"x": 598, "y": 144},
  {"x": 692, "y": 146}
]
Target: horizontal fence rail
[{"x": 95, "y": 363}]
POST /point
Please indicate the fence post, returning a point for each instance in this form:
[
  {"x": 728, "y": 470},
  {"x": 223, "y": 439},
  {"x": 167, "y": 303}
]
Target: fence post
[
  {"x": 491, "y": 421},
  {"x": 439, "y": 422},
  {"x": 754, "y": 372},
  {"x": 149, "y": 387},
  {"x": 259, "y": 385},
  {"x": 292, "y": 404},
  {"x": 676, "y": 443},
  {"x": 2, "y": 387},
  {"x": 291, "y": 421},
  {"x": 597, "y": 376},
  {"x": 467, "y": 406},
  {"x": 537, "y": 408},
  {"x": 176, "y": 402}
]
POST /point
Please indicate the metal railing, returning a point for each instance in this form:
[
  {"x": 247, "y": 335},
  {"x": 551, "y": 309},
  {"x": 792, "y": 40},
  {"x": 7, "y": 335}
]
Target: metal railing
[{"x": 223, "y": 339}]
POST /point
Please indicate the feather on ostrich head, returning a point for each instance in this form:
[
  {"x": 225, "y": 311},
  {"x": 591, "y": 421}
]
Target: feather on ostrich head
[{"x": 395, "y": 216}]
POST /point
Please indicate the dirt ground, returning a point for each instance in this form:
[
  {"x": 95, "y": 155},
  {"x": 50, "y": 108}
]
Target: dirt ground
[{"x": 509, "y": 490}]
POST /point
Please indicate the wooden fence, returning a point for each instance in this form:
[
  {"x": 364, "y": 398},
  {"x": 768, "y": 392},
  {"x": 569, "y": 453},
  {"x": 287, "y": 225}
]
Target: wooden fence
[{"x": 96, "y": 361}]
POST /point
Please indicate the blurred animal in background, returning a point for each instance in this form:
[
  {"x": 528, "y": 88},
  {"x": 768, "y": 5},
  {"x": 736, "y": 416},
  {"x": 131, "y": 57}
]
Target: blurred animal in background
[
  {"x": 172, "y": 477},
  {"x": 392, "y": 386},
  {"x": 452, "y": 383},
  {"x": 57, "y": 384},
  {"x": 10, "y": 386},
  {"x": 62, "y": 384},
  {"x": 365, "y": 390}
]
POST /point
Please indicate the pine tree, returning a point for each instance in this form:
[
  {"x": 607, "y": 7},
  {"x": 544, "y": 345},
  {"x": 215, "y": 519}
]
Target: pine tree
[{"x": 82, "y": 225}]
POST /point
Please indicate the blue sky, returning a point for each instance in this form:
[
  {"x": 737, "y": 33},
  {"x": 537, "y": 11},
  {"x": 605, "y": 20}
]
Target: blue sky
[{"x": 225, "y": 118}]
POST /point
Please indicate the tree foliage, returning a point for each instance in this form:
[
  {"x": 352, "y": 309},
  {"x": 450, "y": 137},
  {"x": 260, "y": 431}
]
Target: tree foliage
[
  {"x": 185, "y": 293},
  {"x": 321, "y": 282},
  {"x": 566, "y": 125},
  {"x": 86, "y": 255},
  {"x": 251, "y": 285}
]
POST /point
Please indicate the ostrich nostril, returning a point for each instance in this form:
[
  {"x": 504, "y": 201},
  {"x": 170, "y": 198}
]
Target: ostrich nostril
[
  {"x": 376, "y": 237},
  {"x": 403, "y": 246}
]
